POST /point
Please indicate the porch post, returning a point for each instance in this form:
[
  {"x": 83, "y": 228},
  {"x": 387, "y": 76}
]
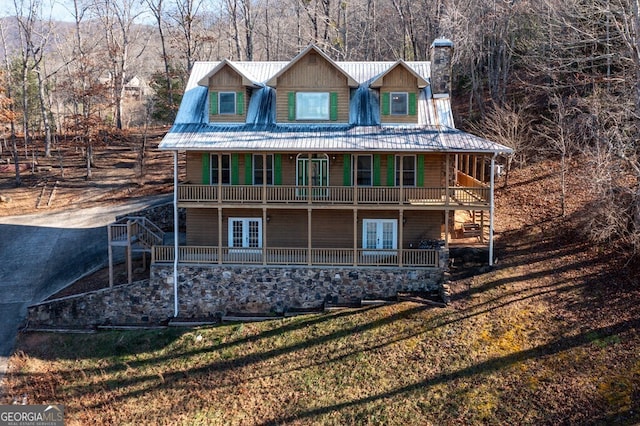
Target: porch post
[
  {"x": 175, "y": 233},
  {"x": 401, "y": 237},
  {"x": 309, "y": 262},
  {"x": 220, "y": 235},
  {"x": 264, "y": 235},
  {"x": 355, "y": 237},
  {"x": 491, "y": 208}
]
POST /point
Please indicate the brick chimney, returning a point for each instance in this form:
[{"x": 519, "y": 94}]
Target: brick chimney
[{"x": 441, "y": 55}]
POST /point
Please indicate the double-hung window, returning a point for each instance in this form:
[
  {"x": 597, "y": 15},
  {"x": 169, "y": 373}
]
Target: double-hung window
[
  {"x": 220, "y": 173},
  {"x": 258, "y": 169},
  {"x": 399, "y": 103},
  {"x": 408, "y": 176},
  {"x": 227, "y": 103},
  {"x": 363, "y": 170}
]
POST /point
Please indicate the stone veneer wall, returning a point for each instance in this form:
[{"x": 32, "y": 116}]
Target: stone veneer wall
[{"x": 211, "y": 291}]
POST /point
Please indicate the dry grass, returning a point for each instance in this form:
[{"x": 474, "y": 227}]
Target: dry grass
[{"x": 550, "y": 336}]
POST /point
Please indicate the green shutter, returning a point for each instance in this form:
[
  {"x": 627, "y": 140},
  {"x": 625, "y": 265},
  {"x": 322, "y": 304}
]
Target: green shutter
[
  {"x": 206, "y": 168},
  {"x": 240, "y": 103},
  {"x": 277, "y": 169},
  {"x": 235, "y": 169},
  {"x": 420, "y": 171},
  {"x": 213, "y": 103},
  {"x": 347, "y": 170},
  {"x": 386, "y": 101},
  {"x": 248, "y": 169},
  {"x": 333, "y": 104},
  {"x": 376, "y": 169},
  {"x": 412, "y": 104},
  {"x": 292, "y": 106},
  {"x": 391, "y": 170}
]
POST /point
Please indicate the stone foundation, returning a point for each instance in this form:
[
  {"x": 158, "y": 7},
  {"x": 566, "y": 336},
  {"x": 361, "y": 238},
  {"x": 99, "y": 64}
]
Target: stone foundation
[{"x": 211, "y": 291}]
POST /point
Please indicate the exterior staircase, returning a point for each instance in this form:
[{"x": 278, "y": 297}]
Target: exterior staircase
[{"x": 136, "y": 234}]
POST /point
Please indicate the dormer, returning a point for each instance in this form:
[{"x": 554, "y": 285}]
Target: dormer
[
  {"x": 399, "y": 89},
  {"x": 229, "y": 91},
  {"x": 312, "y": 89}
]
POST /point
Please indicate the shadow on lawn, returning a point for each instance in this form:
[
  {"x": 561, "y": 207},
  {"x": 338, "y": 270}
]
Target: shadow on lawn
[{"x": 485, "y": 367}]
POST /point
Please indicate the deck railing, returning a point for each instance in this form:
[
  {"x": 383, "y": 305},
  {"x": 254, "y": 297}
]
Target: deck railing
[
  {"x": 342, "y": 195},
  {"x": 428, "y": 258}
]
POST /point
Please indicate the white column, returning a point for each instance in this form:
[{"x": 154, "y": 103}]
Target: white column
[{"x": 175, "y": 233}]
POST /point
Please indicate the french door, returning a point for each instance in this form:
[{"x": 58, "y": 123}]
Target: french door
[
  {"x": 380, "y": 234},
  {"x": 245, "y": 233},
  {"x": 313, "y": 171}
]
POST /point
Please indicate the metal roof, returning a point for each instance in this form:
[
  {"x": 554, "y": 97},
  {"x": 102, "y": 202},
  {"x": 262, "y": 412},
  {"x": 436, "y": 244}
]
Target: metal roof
[{"x": 324, "y": 138}]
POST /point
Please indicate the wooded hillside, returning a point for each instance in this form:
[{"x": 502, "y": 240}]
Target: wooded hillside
[{"x": 549, "y": 78}]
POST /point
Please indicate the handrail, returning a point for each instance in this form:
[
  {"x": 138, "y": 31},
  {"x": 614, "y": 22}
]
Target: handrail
[
  {"x": 297, "y": 256},
  {"x": 472, "y": 195}
]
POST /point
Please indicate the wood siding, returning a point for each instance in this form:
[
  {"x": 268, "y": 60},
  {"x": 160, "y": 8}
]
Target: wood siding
[
  {"x": 434, "y": 169},
  {"x": 202, "y": 227},
  {"x": 399, "y": 80},
  {"x": 227, "y": 80},
  {"x": 312, "y": 73}
]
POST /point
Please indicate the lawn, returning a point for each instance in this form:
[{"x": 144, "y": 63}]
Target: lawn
[{"x": 548, "y": 336}]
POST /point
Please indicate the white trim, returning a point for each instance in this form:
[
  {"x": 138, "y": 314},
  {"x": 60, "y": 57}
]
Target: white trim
[
  {"x": 406, "y": 103},
  {"x": 246, "y": 237},
  {"x": 175, "y": 234},
  {"x": 379, "y": 244},
  {"x": 220, "y": 103}
]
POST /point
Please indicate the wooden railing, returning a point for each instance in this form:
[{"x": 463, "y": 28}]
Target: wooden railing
[
  {"x": 343, "y": 195},
  {"x": 428, "y": 258}
]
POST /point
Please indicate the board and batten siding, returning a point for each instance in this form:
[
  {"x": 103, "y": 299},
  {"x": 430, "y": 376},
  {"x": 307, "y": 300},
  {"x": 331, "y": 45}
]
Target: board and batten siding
[{"x": 312, "y": 73}]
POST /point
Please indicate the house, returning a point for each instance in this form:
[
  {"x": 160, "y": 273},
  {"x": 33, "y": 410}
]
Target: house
[{"x": 313, "y": 181}]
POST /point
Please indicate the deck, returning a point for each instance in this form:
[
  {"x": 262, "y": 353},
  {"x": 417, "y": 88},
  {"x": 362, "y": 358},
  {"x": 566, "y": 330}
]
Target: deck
[
  {"x": 420, "y": 197},
  {"x": 427, "y": 258}
]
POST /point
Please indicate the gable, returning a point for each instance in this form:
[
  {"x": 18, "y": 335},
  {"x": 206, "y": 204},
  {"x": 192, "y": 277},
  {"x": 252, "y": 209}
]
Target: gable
[
  {"x": 226, "y": 77},
  {"x": 399, "y": 77},
  {"x": 312, "y": 71}
]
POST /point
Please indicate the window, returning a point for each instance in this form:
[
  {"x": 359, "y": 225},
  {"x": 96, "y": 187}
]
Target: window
[
  {"x": 226, "y": 169},
  {"x": 312, "y": 106},
  {"x": 364, "y": 170},
  {"x": 245, "y": 232},
  {"x": 408, "y": 170},
  {"x": 399, "y": 103},
  {"x": 379, "y": 234},
  {"x": 227, "y": 103},
  {"x": 258, "y": 169}
]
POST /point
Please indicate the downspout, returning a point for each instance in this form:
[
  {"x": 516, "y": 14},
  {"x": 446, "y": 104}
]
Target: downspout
[
  {"x": 491, "y": 207},
  {"x": 175, "y": 234}
]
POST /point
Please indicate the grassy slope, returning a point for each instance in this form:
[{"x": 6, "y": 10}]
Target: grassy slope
[{"x": 550, "y": 336}]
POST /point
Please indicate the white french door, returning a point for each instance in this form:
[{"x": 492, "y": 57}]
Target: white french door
[
  {"x": 380, "y": 234},
  {"x": 245, "y": 232}
]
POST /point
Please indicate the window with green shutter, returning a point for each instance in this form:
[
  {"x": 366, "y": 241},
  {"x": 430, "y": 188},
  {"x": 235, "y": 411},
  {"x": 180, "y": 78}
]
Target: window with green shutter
[
  {"x": 377, "y": 165},
  {"x": 333, "y": 107},
  {"x": 235, "y": 169},
  {"x": 390, "y": 170},
  {"x": 277, "y": 169},
  {"x": 240, "y": 103},
  {"x": 412, "y": 104},
  {"x": 420, "y": 171},
  {"x": 206, "y": 168},
  {"x": 386, "y": 102},
  {"x": 213, "y": 103},
  {"x": 292, "y": 106},
  {"x": 248, "y": 173},
  {"x": 346, "y": 176}
]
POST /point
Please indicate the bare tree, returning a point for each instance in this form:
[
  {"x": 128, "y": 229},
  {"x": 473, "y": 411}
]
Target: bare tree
[{"x": 8, "y": 106}]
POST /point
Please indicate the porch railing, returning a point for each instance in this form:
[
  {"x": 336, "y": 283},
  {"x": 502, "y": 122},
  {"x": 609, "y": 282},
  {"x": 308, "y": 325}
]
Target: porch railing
[
  {"x": 343, "y": 195},
  {"x": 298, "y": 256}
]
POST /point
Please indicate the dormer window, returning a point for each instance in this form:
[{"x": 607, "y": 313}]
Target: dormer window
[
  {"x": 399, "y": 103},
  {"x": 312, "y": 105},
  {"x": 227, "y": 103}
]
